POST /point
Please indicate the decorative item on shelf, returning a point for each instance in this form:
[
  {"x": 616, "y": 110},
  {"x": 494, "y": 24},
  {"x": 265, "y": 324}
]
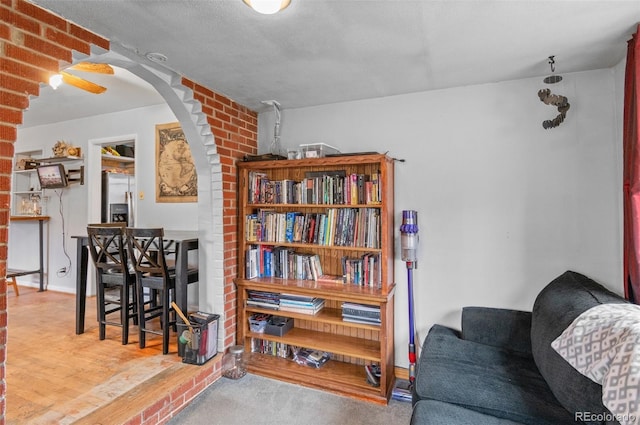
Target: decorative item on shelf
[
  {"x": 294, "y": 154},
  {"x": 26, "y": 164},
  {"x": 31, "y": 205},
  {"x": 318, "y": 150},
  {"x": 36, "y": 206},
  {"x": 63, "y": 149},
  {"x": 310, "y": 357},
  {"x": 546, "y": 97}
]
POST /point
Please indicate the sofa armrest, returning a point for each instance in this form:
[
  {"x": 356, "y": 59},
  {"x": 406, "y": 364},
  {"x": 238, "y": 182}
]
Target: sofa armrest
[{"x": 510, "y": 329}]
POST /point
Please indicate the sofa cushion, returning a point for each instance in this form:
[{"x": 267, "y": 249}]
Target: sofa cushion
[
  {"x": 433, "y": 412},
  {"x": 555, "y": 308},
  {"x": 502, "y": 328},
  {"x": 491, "y": 380}
]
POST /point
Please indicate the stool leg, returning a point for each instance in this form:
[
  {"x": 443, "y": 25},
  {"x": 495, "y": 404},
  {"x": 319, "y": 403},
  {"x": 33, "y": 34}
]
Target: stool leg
[{"x": 14, "y": 283}]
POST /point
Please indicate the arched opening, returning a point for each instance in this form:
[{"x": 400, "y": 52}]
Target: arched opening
[{"x": 187, "y": 111}]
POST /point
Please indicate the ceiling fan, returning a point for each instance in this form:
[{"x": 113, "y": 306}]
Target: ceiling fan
[{"x": 81, "y": 83}]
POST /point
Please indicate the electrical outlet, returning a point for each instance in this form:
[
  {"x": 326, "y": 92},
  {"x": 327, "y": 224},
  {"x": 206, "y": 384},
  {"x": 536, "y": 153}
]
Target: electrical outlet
[
  {"x": 62, "y": 270},
  {"x": 141, "y": 195}
]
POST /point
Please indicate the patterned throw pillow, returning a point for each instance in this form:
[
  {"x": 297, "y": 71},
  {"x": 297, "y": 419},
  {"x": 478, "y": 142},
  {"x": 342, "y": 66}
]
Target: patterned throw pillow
[{"x": 603, "y": 344}]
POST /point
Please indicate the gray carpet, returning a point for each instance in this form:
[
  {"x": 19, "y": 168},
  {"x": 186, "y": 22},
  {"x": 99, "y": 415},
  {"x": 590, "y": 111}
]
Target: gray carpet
[{"x": 257, "y": 400}]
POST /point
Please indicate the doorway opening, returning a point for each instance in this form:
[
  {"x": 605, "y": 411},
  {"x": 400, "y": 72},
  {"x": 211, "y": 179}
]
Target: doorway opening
[{"x": 111, "y": 176}]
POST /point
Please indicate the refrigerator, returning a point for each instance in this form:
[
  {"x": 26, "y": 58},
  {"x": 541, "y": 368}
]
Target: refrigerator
[{"x": 117, "y": 198}]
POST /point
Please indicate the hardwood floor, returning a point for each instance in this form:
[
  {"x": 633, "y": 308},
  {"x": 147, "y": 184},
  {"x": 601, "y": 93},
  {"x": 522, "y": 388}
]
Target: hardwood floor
[{"x": 57, "y": 377}]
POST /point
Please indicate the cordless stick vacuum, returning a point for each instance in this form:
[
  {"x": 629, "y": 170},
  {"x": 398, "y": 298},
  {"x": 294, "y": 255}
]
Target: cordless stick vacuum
[{"x": 409, "y": 247}]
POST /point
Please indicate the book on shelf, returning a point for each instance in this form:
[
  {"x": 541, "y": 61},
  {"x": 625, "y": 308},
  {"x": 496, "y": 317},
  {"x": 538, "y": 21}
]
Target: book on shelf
[
  {"x": 362, "y": 320},
  {"x": 301, "y": 304},
  {"x": 361, "y": 313},
  {"x": 263, "y": 299},
  {"x": 297, "y": 299},
  {"x": 365, "y": 312}
]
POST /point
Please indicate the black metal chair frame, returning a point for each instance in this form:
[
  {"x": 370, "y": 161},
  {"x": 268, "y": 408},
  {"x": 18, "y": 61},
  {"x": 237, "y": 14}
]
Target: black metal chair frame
[
  {"x": 148, "y": 253},
  {"x": 108, "y": 251}
]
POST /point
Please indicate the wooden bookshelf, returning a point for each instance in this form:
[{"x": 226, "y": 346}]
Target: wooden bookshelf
[{"x": 352, "y": 345}]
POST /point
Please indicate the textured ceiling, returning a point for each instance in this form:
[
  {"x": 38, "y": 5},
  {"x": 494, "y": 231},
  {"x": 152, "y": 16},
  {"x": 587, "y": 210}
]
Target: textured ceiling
[{"x": 326, "y": 51}]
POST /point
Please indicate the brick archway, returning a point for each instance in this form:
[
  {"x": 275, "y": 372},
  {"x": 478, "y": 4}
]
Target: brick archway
[{"x": 188, "y": 110}]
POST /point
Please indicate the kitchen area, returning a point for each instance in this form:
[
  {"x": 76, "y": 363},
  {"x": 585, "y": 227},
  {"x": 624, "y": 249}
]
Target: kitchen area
[{"x": 118, "y": 187}]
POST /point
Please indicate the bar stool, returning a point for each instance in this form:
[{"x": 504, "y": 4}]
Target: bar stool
[
  {"x": 108, "y": 251},
  {"x": 149, "y": 257}
]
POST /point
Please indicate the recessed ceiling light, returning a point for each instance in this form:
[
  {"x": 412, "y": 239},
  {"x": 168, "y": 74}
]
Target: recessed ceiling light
[
  {"x": 267, "y": 7},
  {"x": 156, "y": 57}
]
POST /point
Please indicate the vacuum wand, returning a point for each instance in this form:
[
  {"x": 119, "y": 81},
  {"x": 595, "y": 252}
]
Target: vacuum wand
[{"x": 409, "y": 247}]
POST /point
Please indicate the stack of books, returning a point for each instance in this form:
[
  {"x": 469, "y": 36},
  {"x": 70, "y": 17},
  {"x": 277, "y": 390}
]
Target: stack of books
[
  {"x": 301, "y": 304},
  {"x": 361, "y": 313},
  {"x": 263, "y": 299}
]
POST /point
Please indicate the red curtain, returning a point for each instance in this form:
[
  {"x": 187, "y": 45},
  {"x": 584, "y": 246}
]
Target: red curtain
[{"x": 631, "y": 172}]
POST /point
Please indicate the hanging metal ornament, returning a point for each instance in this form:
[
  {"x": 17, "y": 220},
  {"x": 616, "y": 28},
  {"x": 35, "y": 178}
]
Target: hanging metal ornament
[
  {"x": 552, "y": 79},
  {"x": 546, "y": 97}
]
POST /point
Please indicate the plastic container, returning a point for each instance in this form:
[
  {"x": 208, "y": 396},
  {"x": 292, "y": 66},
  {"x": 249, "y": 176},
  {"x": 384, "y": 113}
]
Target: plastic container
[
  {"x": 318, "y": 150},
  {"x": 278, "y": 326},
  {"x": 234, "y": 364}
]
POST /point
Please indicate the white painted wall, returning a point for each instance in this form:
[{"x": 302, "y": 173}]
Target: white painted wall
[
  {"x": 504, "y": 206},
  {"x": 139, "y": 122}
]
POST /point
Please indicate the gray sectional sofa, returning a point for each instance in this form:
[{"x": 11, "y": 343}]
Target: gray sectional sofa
[{"x": 501, "y": 369}]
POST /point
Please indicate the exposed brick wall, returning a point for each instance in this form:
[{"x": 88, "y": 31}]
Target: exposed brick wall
[
  {"x": 235, "y": 129},
  {"x": 33, "y": 44}
]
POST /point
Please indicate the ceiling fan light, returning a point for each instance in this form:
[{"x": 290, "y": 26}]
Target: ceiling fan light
[
  {"x": 55, "y": 81},
  {"x": 267, "y": 7}
]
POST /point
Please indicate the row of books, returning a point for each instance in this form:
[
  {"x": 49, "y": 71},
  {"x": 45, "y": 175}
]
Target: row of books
[
  {"x": 365, "y": 270},
  {"x": 361, "y": 313},
  {"x": 352, "y": 227},
  {"x": 351, "y": 312},
  {"x": 285, "y": 302},
  {"x": 335, "y": 187},
  {"x": 285, "y": 263},
  {"x": 272, "y": 348},
  {"x": 281, "y": 262}
]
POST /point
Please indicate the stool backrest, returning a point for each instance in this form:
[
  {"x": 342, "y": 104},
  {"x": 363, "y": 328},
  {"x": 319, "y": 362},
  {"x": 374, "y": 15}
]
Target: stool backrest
[
  {"x": 147, "y": 250},
  {"x": 107, "y": 246}
]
